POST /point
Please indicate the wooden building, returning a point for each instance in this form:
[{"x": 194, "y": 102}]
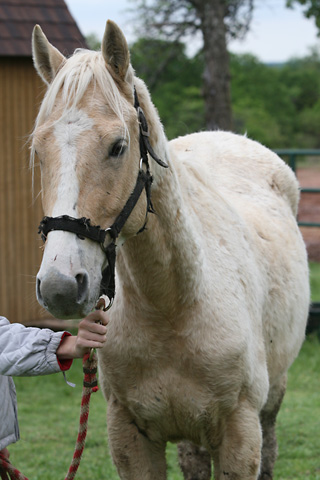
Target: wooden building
[{"x": 21, "y": 91}]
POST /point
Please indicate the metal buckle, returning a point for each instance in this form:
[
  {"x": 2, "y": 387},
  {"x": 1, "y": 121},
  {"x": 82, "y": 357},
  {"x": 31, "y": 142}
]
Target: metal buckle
[
  {"x": 143, "y": 162},
  {"x": 102, "y": 245}
]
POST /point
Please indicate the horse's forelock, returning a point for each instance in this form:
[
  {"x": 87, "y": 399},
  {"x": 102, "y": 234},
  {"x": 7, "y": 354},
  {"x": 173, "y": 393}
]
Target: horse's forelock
[{"x": 81, "y": 69}]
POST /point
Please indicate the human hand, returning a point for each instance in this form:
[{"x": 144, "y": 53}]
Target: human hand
[{"x": 92, "y": 333}]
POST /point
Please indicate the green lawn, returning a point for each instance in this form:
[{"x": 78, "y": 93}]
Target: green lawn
[
  {"x": 49, "y": 410},
  {"x": 315, "y": 281},
  {"x": 299, "y": 418}
]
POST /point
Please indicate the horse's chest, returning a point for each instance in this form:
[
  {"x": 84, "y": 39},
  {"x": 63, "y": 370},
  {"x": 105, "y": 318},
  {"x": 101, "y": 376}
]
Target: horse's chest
[
  {"x": 166, "y": 404},
  {"x": 163, "y": 395}
]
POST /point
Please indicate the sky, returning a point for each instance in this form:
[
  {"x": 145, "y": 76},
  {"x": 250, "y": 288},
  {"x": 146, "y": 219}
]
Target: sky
[{"x": 276, "y": 35}]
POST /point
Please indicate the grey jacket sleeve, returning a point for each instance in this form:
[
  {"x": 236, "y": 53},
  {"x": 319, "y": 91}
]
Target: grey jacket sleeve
[
  {"x": 27, "y": 351},
  {"x": 9, "y": 427}
]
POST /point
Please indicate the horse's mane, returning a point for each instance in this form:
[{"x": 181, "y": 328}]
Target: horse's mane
[{"x": 73, "y": 80}]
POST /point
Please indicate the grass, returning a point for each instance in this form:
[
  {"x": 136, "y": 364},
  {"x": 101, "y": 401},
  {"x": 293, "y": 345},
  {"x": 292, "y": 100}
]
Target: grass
[
  {"x": 49, "y": 411},
  {"x": 315, "y": 281},
  {"x": 299, "y": 418}
]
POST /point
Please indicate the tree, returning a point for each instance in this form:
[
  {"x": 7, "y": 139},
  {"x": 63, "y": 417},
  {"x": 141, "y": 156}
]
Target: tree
[
  {"x": 278, "y": 105},
  {"x": 216, "y": 20},
  {"x": 175, "y": 89}
]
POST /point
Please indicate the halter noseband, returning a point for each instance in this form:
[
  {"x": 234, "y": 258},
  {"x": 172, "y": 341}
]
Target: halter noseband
[{"x": 82, "y": 226}]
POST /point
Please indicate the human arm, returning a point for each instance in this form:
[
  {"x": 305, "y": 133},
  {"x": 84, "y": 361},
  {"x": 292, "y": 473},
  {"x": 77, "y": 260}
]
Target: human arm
[{"x": 33, "y": 351}]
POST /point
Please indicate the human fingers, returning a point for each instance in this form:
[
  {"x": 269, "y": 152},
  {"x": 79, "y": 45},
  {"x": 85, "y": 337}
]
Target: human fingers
[
  {"x": 98, "y": 316},
  {"x": 88, "y": 335},
  {"x": 86, "y": 339},
  {"x": 87, "y": 326}
]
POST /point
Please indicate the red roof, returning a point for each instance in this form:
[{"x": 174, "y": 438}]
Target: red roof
[{"x": 18, "y": 17}]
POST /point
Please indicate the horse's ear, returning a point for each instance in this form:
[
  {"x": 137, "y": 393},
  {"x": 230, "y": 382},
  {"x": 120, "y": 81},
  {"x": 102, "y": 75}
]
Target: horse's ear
[
  {"x": 115, "y": 50},
  {"x": 47, "y": 59}
]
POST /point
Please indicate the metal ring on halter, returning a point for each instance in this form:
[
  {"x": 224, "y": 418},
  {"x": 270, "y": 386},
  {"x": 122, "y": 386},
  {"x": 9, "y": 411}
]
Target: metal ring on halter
[
  {"x": 110, "y": 304},
  {"x": 101, "y": 303}
]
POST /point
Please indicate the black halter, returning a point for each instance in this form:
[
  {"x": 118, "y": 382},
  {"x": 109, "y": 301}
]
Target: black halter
[{"x": 107, "y": 238}]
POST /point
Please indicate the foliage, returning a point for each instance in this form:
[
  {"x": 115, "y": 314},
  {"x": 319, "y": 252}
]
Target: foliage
[
  {"x": 260, "y": 103},
  {"x": 177, "y": 19},
  {"x": 278, "y": 105},
  {"x": 302, "y": 78},
  {"x": 174, "y": 81},
  {"x": 216, "y": 21},
  {"x": 312, "y": 9},
  {"x": 49, "y": 415}
]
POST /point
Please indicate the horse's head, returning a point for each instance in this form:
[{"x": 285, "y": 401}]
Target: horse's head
[{"x": 86, "y": 138}]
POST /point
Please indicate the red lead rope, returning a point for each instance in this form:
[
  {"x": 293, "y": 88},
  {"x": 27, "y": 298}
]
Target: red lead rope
[
  {"x": 7, "y": 471},
  {"x": 90, "y": 385}
]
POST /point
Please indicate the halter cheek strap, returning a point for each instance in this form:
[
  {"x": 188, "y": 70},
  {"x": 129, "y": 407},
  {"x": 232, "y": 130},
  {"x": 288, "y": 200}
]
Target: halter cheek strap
[{"x": 107, "y": 237}]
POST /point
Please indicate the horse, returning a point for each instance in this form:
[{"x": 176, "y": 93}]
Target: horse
[{"x": 197, "y": 242}]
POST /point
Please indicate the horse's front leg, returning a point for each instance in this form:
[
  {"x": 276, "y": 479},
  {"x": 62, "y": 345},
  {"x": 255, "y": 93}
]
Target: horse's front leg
[
  {"x": 239, "y": 454},
  {"x": 135, "y": 456},
  {"x": 195, "y": 462}
]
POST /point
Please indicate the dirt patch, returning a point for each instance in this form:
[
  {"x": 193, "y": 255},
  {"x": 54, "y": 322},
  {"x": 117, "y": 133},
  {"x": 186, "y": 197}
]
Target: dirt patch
[{"x": 309, "y": 210}]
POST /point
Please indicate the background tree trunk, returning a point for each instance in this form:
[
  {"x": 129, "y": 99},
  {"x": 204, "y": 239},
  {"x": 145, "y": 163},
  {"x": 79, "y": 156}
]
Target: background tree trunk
[{"x": 216, "y": 76}]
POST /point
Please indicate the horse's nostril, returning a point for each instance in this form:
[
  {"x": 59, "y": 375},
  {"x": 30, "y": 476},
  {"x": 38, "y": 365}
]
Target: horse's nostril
[{"x": 82, "y": 282}]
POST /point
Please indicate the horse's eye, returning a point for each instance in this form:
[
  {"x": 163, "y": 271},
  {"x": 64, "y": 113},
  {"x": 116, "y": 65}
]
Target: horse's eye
[{"x": 117, "y": 149}]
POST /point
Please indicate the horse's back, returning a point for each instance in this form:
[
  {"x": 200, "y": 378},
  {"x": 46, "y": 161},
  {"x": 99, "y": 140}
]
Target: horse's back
[{"x": 234, "y": 163}]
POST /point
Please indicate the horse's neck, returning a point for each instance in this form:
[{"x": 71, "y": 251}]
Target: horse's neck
[{"x": 163, "y": 266}]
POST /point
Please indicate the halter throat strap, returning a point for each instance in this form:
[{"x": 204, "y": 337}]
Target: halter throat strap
[{"x": 83, "y": 228}]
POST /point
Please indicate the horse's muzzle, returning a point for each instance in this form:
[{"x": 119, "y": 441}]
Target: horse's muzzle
[{"x": 63, "y": 295}]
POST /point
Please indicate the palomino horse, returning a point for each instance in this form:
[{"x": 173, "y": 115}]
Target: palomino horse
[{"x": 211, "y": 297}]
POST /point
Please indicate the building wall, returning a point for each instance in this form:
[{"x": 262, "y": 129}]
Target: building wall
[{"x": 20, "y": 246}]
